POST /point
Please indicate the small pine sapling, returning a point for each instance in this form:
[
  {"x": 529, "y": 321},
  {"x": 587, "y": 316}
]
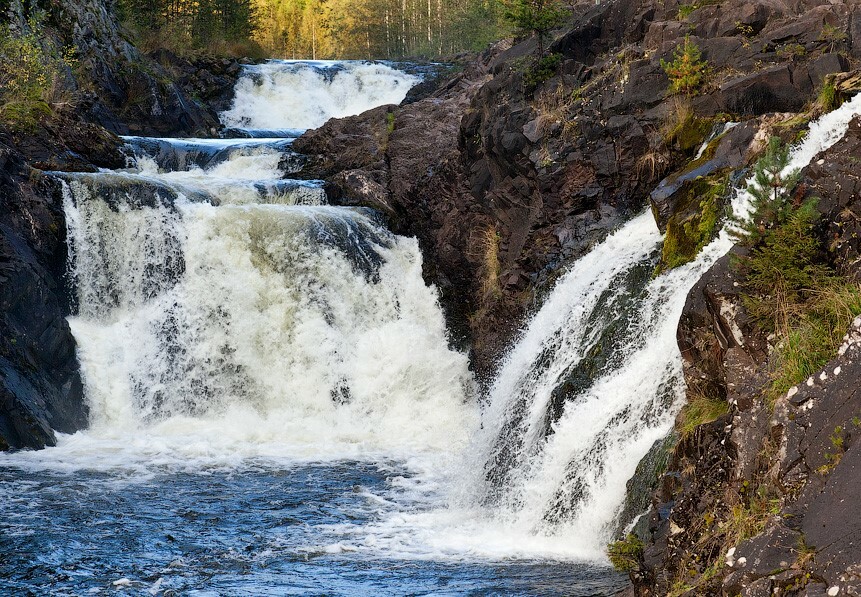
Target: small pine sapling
[{"x": 771, "y": 192}]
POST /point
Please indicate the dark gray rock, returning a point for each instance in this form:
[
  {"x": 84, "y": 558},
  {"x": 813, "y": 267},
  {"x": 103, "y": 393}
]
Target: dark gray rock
[{"x": 40, "y": 385}]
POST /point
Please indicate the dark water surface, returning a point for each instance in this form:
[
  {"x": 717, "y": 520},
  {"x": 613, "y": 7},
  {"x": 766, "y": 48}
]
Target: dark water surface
[{"x": 256, "y": 532}]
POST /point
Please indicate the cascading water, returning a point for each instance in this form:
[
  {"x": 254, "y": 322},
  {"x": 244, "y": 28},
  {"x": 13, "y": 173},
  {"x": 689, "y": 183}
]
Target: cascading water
[
  {"x": 596, "y": 377},
  {"x": 282, "y": 95},
  {"x": 274, "y": 402}
]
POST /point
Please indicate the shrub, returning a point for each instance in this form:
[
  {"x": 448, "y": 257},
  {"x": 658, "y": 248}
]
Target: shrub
[
  {"x": 535, "y": 17},
  {"x": 833, "y": 36},
  {"x": 538, "y": 70},
  {"x": 771, "y": 191},
  {"x": 30, "y": 76},
  {"x": 687, "y": 70},
  {"x": 625, "y": 554},
  {"x": 790, "y": 289}
]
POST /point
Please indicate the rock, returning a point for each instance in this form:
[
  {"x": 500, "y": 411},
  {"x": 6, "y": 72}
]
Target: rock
[
  {"x": 40, "y": 385},
  {"x": 120, "y": 88},
  {"x": 769, "y": 90},
  {"x": 837, "y": 182}
]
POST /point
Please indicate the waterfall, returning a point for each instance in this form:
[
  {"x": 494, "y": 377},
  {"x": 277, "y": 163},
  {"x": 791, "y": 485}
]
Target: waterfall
[
  {"x": 279, "y": 94},
  {"x": 218, "y": 298},
  {"x": 596, "y": 378},
  {"x": 229, "y": 320}
]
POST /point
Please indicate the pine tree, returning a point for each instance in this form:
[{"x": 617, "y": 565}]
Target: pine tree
[
  {"x": 772, "y": 195},
  {"x": 535, "y": 17}
]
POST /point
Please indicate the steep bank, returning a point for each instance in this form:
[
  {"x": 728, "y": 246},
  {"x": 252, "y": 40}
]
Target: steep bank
[
  {"x": 504, "y": 179},
  {"x": 759, "y": 500}
]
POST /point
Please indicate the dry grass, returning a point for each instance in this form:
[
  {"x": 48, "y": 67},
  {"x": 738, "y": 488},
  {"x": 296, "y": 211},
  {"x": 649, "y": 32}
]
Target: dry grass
[
  {"x": 679, "y": 114},
  {"x": 652, "y": 165},
  {"x": 489, "y": 247},
  {"x": 553, "y": 107}
]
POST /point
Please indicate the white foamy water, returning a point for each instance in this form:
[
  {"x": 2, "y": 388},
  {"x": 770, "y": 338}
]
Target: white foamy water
[
  {"x": 310, "y": 327},
  {"x": 282, "y": 94}
]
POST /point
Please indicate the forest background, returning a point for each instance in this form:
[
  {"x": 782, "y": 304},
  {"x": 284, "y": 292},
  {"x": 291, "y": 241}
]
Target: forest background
[{"x": 317, "y": 29}]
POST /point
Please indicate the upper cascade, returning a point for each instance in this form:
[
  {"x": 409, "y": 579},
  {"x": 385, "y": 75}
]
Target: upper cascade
[{"x": 281, "y": 96}]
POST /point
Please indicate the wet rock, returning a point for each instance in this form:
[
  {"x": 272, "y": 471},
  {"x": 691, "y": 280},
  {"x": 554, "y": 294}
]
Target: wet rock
[
  {"x": 731, "y": 150},
  {"x": 40, "y": 385},
  {"x": 836, "y": 180}
]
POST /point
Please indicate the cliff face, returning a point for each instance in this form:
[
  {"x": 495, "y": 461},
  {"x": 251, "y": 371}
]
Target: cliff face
[
  {"x": 541, "y": 171},
  {"x": 759, "y": 502}
]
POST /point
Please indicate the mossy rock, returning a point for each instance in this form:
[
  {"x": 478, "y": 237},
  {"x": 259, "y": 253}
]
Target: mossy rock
[
  {"x": 690, "y": 133},
  {"x": 695, "y": 221}
]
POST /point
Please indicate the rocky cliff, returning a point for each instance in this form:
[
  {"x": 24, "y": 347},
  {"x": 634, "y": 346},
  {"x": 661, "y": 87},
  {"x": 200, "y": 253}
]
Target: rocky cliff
[{"x": 505, "y": 178}]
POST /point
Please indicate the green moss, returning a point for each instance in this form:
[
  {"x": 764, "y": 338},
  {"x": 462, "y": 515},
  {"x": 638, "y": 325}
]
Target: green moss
[
  {"x": 829, "y": 97},
  {"x": 689, "y": 133},
  {"x": 695, "y": 222}
]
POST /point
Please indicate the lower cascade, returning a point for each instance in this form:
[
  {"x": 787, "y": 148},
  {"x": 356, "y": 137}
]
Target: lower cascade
[{"x": 271, "y": 382}]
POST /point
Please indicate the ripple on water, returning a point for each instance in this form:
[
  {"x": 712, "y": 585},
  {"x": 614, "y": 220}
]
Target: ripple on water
[{"x": 264, "y": 530}]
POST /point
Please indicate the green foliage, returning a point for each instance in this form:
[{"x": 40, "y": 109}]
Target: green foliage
[
  {"x": 771, "y": 193},
  {"x": 811, "y": 331},
  {"x": 217, "y": 26},
  {"x": 788, "y": 259},
  {"x": 685, "y": 10},
  {"x": 833, "y": 36},
  {"x": 538, "y": 70},
  {"x": 376, "y": 28},
  {"x": 30, "y": 75},
  {"x": 687, "y": 70},
  {"x": 790, "y": 51},
  {"x": 838, "y": 442},
  {"x": 535, "y": 17},
  {"x": 790, "y": 289},
  {"x": 683, "y": 129},
  {"x": 625, "y": 554}
]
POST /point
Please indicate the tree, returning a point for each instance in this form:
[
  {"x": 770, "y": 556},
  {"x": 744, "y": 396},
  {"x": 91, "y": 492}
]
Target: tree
[
  {"x": 771, "y": 194},
  {"x": 535, "y": 17},
  {"x": 687, "y": 69}
]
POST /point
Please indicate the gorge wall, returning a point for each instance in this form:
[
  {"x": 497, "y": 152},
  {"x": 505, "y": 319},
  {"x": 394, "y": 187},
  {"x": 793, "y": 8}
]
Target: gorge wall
[{"x": 503, "y": 181}]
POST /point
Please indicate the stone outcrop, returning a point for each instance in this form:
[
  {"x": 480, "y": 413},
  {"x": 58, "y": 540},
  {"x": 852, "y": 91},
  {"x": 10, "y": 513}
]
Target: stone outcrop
[
  {"x": 40, "y": 385},
  {"x": 759, "y": 502},
  {"x": 114, "y": 84}
]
